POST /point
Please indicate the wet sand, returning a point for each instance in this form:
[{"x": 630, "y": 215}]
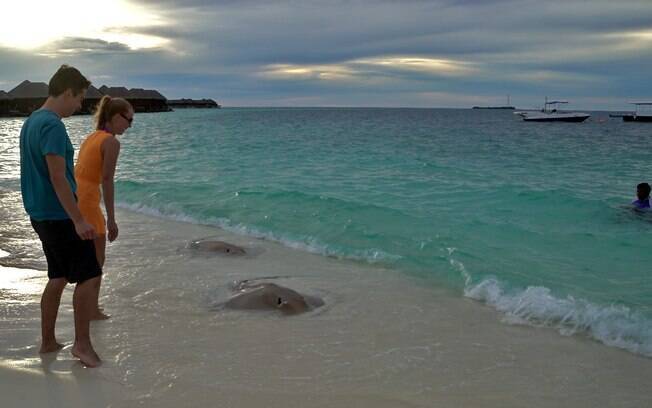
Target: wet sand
[{"x": 382, "y": 339}]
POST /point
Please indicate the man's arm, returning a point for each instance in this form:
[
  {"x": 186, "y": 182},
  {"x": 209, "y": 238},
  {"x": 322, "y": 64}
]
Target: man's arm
[{"x": 57, "y": 169}]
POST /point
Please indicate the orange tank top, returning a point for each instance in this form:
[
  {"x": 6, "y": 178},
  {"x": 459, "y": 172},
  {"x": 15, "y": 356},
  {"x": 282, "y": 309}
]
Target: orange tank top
[{"x": 89, "y": 162}]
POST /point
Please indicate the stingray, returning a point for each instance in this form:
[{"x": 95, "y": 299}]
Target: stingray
[
  {"x": 270, "y": 296},
  {"x": 219, "y": 247}
]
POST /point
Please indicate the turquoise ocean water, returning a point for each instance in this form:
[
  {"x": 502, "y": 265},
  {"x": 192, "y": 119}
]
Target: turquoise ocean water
[{"x": 530, "y": 218}]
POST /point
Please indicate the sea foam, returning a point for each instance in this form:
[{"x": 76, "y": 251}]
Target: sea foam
[
  {"x": 303, "y": 243},
  {"x": 614, "y": 325}
]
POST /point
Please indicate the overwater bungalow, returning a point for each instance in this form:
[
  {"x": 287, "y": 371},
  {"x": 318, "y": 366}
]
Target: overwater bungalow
[
  {"x": 143, "y": 100},
  {"x": 193, "y": 103},
  {"x": 4, "y": 103},
  {"x": 27, "y": 97},
  {"x": 93, "y": 96}
]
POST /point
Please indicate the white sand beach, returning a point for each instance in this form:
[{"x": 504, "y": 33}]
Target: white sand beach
[{"x": 381, "y": 340}]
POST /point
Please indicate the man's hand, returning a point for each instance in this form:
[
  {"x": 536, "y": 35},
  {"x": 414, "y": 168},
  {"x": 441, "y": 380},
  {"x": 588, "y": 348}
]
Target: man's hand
[
  {"x": 112, "y": 227},
  {"x": 57, "y": 169},
  {"x": 85, "y": 230}
]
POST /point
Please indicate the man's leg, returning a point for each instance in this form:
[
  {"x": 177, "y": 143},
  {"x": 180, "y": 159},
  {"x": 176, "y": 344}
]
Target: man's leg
[
  {"x": 84, "y": 303},
  {"x": 50, "y": 301}
]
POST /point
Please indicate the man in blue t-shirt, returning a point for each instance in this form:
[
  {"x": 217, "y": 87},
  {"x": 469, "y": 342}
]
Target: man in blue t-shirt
[
  {"x": 48, "y": 188},
  {"x": 643, "y": 197}
]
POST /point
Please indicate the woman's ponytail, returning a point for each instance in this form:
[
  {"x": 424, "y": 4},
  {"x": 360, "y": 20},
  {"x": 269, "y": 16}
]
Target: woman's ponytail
[{"x": 108, "y": 107}]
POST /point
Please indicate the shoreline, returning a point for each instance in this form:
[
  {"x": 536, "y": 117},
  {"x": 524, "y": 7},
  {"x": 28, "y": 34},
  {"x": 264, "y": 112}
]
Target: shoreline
[
  {"x": 533, "y": 306},
  {"x": 383, "y": 338}
]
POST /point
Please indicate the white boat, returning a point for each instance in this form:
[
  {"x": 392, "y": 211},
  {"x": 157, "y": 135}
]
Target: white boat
[
  {"x": 641, "y": 114},
  {"x": 550, "y": 113}
]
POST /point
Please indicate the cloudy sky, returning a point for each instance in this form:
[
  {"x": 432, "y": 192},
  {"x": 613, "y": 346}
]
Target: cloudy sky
[{"x": 441, "y": 53}]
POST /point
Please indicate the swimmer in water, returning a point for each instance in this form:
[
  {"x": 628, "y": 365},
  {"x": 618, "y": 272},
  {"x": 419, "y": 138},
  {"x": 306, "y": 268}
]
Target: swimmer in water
[{"x": 643, "y": 197}]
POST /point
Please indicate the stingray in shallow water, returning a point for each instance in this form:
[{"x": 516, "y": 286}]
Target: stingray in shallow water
[
  {"x": 219, "y": 247},
  {"x": 270, "y": 296}
]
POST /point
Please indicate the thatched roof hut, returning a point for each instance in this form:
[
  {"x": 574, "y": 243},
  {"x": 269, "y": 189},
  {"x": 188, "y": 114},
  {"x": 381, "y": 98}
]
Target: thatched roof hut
[
  {"x": 4, "y": 103},
  {"x": 139, "y": 93},
  {"x": 93, "y": 93},
  {"x": 29, "y": 96},
  {"x": 92, "y": 98},
  {"x": 29, "y": 90},
  {"x": 143, "y": 100},
  {"x": 26, "y": 97},
  {"x": 115, "y": 91}
]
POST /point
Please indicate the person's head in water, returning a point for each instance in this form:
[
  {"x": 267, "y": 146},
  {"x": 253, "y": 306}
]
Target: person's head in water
[
  {"x": 67, "y": 89},
  {"x": 643, "y": 191},
  {"x": 113, "y": 115}
]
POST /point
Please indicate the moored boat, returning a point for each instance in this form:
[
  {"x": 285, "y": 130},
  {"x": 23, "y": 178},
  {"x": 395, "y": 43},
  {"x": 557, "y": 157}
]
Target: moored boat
[
  {"x": 550, "y": 113},
  {"x": 643, "y": 113}
]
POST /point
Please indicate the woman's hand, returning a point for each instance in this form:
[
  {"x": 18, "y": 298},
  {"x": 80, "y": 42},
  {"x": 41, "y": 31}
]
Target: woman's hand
[{"x": 112, "y": 227}]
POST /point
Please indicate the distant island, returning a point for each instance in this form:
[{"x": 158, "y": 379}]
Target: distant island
[
  {"x": 507, "y": 106},
  {"x": 494, "y": 107},
  {"x": 29, "y": 96},
  {"x": 193, "y": 103}
]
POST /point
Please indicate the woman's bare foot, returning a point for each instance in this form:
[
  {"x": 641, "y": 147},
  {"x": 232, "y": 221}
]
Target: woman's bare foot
[
  {"x": 50, "y": 347},
  {"x": 86, "y": 355},
  {"x": 99, "y": 315}
]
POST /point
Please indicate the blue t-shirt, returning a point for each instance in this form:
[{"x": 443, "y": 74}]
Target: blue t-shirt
[
  {"x": 642, "y": 204},
  {"x": 43, "y": 133}
]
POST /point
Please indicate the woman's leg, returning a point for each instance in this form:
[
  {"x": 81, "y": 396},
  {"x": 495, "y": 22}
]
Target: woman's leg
[{"x": 100, "y": 252}]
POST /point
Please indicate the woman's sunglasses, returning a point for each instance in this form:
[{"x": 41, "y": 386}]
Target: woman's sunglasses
[{"x": 128, "y": 119}]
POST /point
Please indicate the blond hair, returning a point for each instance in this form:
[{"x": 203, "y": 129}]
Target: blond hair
[{"x": 109, "y": 107}]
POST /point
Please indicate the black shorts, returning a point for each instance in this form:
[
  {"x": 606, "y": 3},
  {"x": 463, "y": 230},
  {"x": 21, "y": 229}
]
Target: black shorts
[{"x": 68, "y": 255}]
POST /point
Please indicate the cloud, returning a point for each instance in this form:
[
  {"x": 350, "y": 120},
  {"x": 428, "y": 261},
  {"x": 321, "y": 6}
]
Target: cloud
[
  {"x": 432, "y": 66},
  {"x": 556, "y": 76},
  {"x": 345, "y": 52},
  {"x": 369, "y": 69},
  {"x": 78, "y": 45},
  {"x": 306, "y": 72}
]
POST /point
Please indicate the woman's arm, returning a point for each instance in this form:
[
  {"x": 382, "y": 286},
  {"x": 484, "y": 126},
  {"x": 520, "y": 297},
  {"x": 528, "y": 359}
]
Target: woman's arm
[{"x": 110, "y": 153}]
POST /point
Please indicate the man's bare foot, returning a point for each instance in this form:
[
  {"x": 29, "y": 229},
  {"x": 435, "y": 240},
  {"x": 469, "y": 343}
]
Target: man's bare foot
[
  {"x": 99, "y": 315},
  {"x": 50, "y": 347},
  {"x": 86, "y": 355}
]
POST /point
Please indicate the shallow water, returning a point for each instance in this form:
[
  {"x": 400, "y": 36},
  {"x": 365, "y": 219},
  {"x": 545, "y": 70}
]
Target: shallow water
[
  {"x": 530, "y": 218},
  {"x": 382, "y": 339}
]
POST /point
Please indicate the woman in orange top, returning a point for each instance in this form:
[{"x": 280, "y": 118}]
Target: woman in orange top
[{"x": 95, "y": 167}]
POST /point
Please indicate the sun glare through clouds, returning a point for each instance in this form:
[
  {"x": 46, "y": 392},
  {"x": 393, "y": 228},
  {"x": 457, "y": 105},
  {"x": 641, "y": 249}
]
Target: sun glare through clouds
[{"x": 32, "y": 24}]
